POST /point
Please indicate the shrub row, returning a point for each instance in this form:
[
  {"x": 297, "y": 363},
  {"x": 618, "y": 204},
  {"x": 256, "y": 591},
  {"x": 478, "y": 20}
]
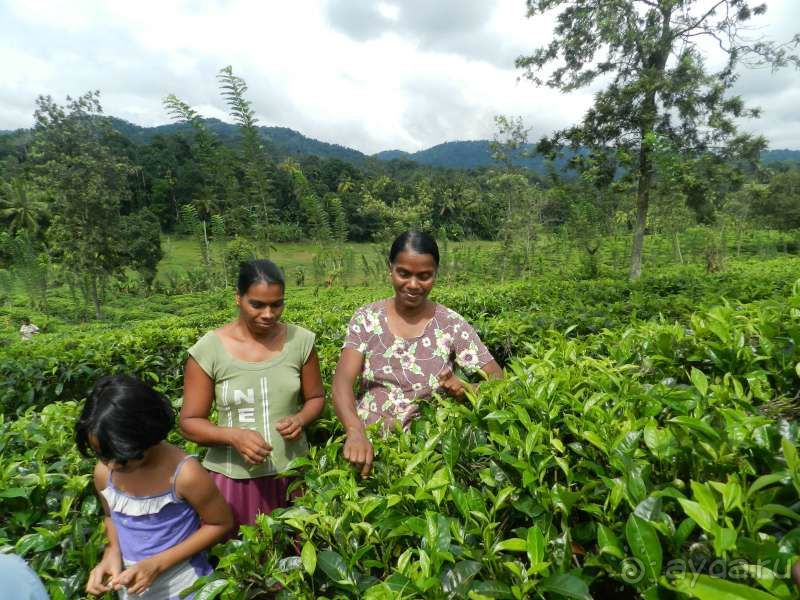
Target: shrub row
[
  {"x": 64, "y": 365},
  {"x": 600, "y": 464}
]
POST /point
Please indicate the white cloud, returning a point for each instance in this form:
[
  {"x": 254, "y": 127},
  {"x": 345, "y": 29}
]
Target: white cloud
[
  {"x": 366, "y": 74},
  {"x": 390, "y": 12}
]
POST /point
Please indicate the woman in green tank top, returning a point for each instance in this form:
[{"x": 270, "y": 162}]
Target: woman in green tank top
[{"x": 264, "y": 379}]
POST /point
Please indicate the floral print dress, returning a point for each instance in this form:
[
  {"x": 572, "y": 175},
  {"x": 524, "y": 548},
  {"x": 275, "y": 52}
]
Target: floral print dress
[{"x": 398, "y": 371}]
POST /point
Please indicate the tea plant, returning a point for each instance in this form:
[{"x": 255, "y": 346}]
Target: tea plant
[
  {"x": 151, "y": 341},
  {"x": 49, "y": 513},
  {"x": 578, "y": 476},
  {"x": 642, "y": 439}
]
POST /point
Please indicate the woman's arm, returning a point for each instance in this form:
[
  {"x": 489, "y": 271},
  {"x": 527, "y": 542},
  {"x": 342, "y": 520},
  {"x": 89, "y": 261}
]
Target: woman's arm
[
  {"x": 195, "y": 485},
  {"x": 357, "y": 448},
  {"x": 313, "y": 394},
  {"x": 198, "y": 397},
  {"x": 469, "y": 353},
  {"x": 456, "y": 387},
  {"x": 493, "y": 370},
  {"x": 110, "y": 566}
]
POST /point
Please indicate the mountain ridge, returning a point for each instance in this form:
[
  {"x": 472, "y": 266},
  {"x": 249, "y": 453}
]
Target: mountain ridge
[{"x": 284, "y": 142}]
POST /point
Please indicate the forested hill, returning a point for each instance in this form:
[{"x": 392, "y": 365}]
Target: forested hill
[
  {"x": 282, "y": 142},
  {"x": 476, "y": 153},
  {"x": 471, "y": 154},
  {"x": 784, "y": 155}
]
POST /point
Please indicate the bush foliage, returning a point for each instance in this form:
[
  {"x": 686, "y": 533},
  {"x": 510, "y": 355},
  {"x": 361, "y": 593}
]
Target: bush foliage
[{"x": 643, "y": 437}]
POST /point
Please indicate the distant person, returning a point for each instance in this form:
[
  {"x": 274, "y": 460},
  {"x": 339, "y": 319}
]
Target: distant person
[
  {"x": 28, "y": 329},
  {"x": 162, "y": 509},
  {"x": 403, "y": 349},
  {"x": 263, "y": 377},
  {"x": 18, "y": 581}
]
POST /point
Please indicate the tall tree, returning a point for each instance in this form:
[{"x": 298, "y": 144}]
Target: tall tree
[
  {"x": 181, "y": 112},
  {"x": 317, "y": 222},
  {"x": 141, "y": 234},
  {"x": 216, "y": 182},
  {"x": 89, "y": 182},
  {"x": 257, "y": 167},
  {"x": 779, "y": 207},
  {"x": 522, "y": 201},
  {"x": 652, "y": 52}
]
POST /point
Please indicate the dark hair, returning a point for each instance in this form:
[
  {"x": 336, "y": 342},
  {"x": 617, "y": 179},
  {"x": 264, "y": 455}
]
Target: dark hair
[
  {"x": 418, "y": 242},
  {"x": 126, "y": 416},
  {"x": 258, "y": 270},
  {"x": 26, "y": 320}
]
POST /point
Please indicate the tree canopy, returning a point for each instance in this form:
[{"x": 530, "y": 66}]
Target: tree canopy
[{"x": 653, "y": 55}]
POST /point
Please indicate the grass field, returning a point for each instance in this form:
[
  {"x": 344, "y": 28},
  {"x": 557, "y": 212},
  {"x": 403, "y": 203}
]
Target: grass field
[
  {"x": 182, "y": 254},
  {"x": 549, "y": 254}
]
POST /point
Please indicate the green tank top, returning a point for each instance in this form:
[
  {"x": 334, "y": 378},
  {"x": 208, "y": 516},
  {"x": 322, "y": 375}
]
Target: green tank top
[{"x": 255, "y": 395}]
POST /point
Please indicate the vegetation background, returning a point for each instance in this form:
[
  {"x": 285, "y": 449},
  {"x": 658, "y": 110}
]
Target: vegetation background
[{"x": 636, "y": 274}]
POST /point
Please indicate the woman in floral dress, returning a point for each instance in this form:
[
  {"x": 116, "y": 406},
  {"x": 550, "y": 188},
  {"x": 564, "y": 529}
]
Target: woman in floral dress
[{"x": 403, "y": 348}]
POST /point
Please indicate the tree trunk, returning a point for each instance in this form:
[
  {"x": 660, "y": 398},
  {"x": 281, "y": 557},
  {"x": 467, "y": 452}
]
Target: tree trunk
[
  {"x": 206, "y": 252},
  {"x": 642, "y": 205},
  {"x": 656, "y": 64},
  {"x": 224, "y": 265},
  {"x": 83, "y": 282},
  {"x": 676, "y": 242},
  {"x": 45, "y": 288},
  {"x": 95, "y": 297}
]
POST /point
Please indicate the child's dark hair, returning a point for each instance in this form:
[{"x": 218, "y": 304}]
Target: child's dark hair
[
  {"x": 125, "y": 416},
  {"x": 258, "y": 270},
  {"x": 418, "y": 242}
]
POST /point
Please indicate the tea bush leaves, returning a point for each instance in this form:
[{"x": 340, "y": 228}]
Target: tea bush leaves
[
  {"x": 572, "y": 454},
  {"x": 50, "y": 514},
  {"x": 622, "y": 456}
]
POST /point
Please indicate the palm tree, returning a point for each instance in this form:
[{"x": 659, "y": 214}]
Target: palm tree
[
  {"x": 20, "y": 208},
  {"x": 206, "y": 204}
]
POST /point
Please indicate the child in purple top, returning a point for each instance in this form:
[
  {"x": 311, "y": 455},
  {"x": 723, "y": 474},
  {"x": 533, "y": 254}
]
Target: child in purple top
[
  {"x": 402, "y": 349},
  {"x": 162, "y": 509}
]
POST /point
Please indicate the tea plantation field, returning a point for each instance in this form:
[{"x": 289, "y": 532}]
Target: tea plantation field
[{"x": 643, "y": 445}]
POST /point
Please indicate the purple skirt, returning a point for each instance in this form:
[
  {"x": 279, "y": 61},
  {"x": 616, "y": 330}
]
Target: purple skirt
[{"x": 249, "y": 497}]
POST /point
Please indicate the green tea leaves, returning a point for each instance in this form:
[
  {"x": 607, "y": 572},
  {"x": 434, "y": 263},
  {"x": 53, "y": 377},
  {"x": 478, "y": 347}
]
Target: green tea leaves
[
  {"x": 308, "y": 556},
  {"x": 643, "y": 541}
]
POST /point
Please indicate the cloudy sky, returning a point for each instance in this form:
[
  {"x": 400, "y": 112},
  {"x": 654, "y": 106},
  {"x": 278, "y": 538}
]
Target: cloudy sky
[{"x": 369, "y": 74}]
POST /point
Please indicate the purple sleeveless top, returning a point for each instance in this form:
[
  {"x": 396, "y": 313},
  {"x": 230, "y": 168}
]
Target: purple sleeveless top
[{"x": 148, "y": 525}]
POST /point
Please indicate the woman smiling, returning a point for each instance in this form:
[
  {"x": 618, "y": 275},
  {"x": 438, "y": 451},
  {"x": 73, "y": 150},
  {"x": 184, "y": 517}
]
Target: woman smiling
[{"x": 403, "y": 349}]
